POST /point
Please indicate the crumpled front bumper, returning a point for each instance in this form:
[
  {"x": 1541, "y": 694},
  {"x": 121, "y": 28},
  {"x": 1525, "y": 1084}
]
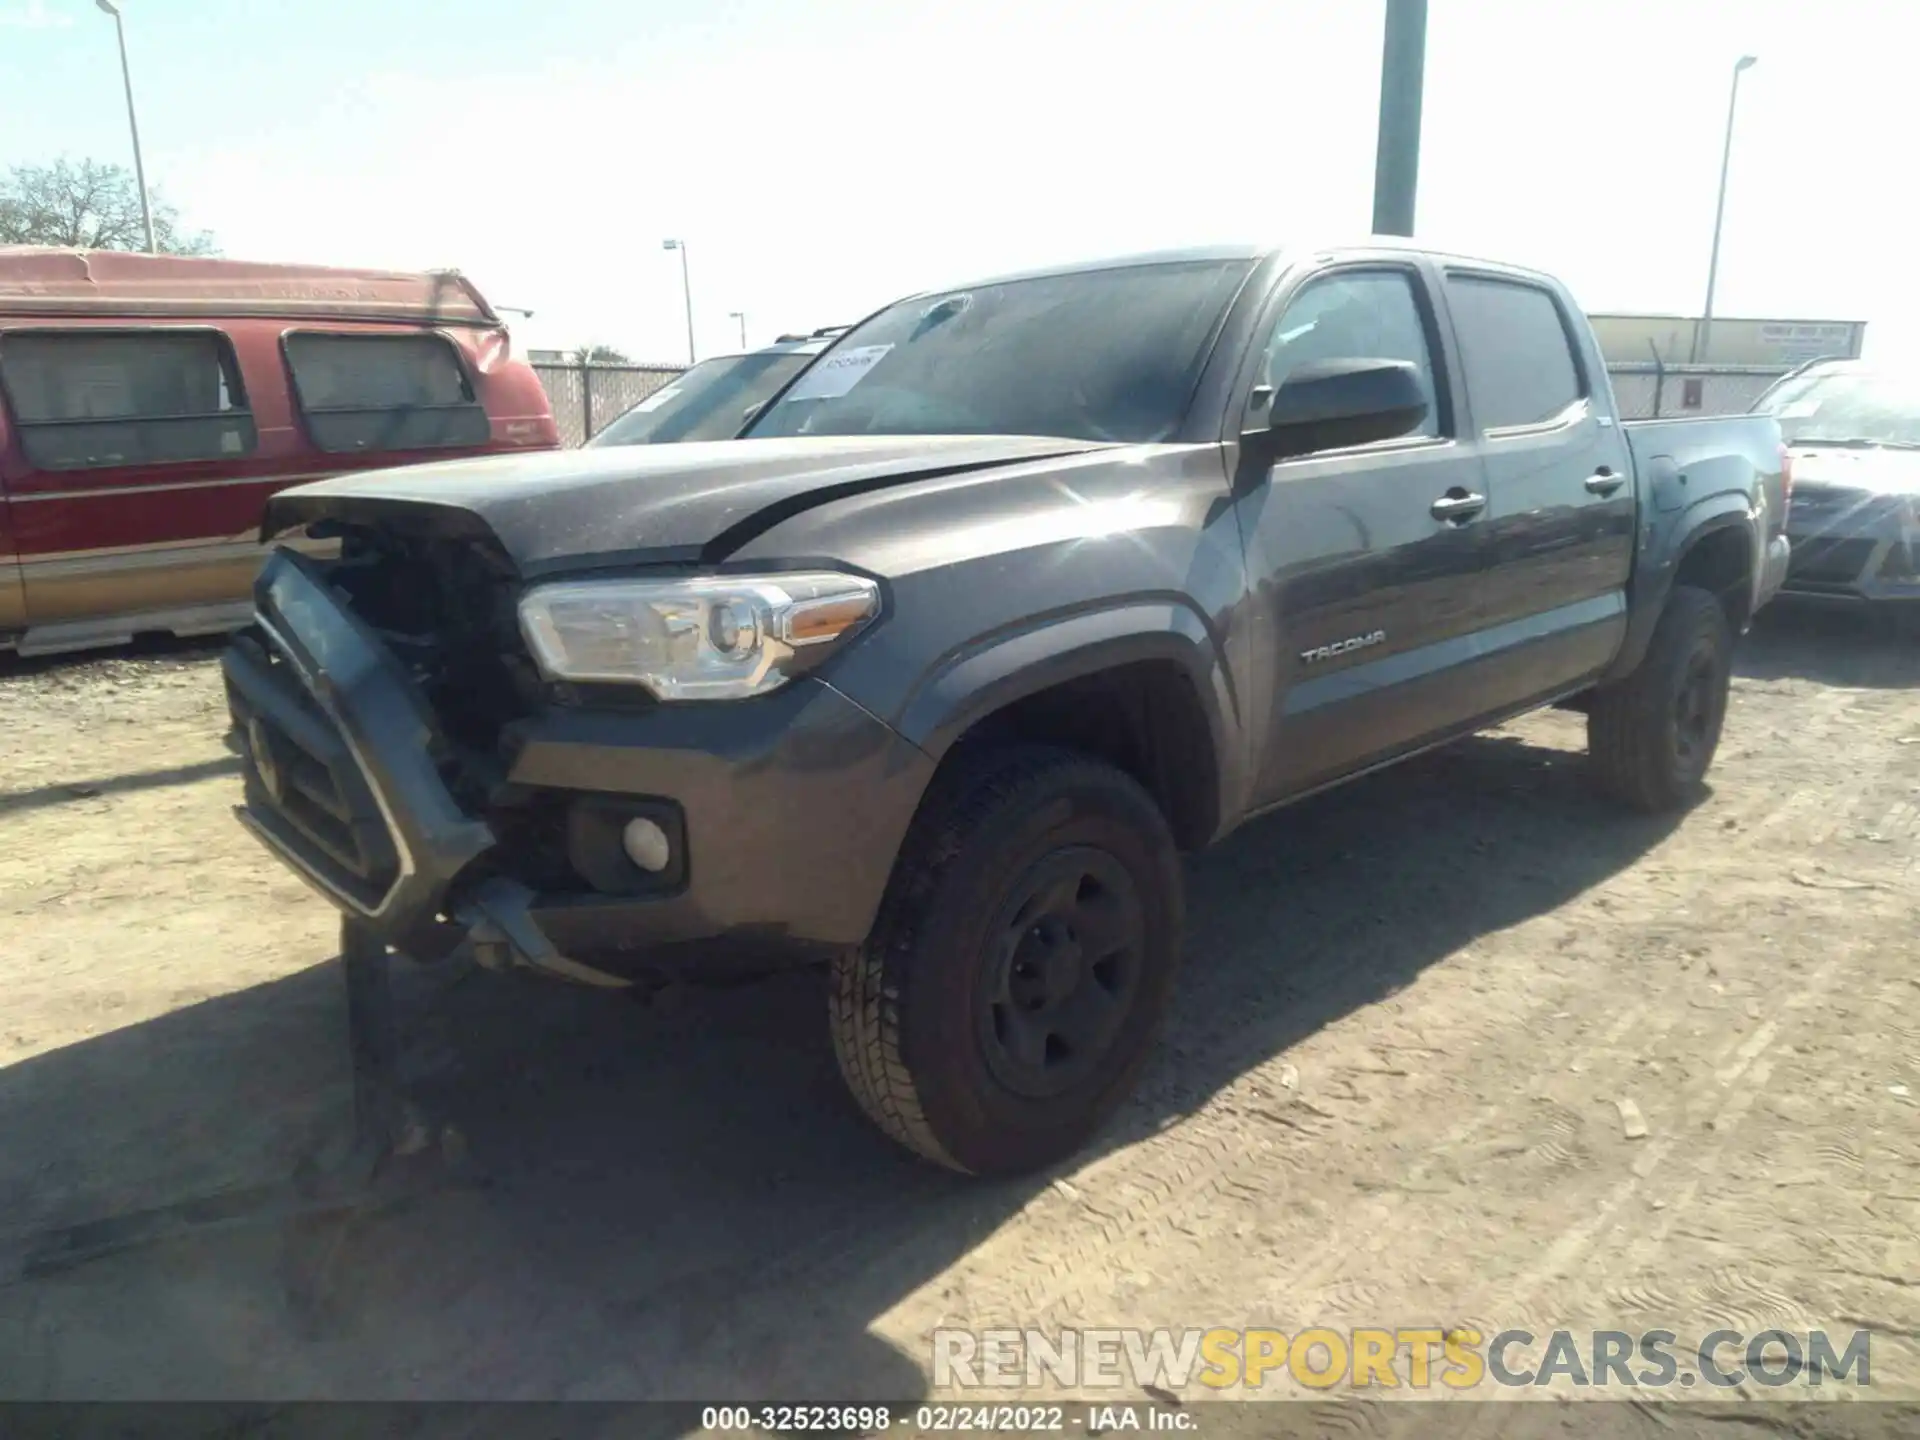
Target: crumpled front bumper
[
  {"x": 340, "y": 780},
  {"x": 790, "y": 808}
]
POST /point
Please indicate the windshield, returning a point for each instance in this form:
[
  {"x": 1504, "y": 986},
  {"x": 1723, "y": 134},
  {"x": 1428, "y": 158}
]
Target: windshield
[
  {"x": 709, "y": 402},
  {"x": 1095, "y": 355},
  {"x": 1838, "y": 407}
]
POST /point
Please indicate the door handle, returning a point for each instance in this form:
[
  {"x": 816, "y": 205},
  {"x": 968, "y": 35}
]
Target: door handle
[
  {"x": 1604, "y": 482},
  {"x": 1458, "y": 506}
]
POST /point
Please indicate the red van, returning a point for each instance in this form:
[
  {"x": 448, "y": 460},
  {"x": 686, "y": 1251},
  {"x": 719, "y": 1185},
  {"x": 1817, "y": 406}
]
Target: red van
[{"x": 149, "y": 405}]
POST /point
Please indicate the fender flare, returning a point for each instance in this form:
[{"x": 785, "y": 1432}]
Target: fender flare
[
  {"x": 985, "y": 675},
  {"x": 1661, "y": 560}
]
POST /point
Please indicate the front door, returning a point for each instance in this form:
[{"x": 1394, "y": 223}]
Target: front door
[{"x": 1367, "y": 557}]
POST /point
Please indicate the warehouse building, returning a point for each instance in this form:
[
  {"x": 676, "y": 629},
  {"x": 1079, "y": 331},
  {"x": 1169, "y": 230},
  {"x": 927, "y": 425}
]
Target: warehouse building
[{"x": 1685, "y": 365}]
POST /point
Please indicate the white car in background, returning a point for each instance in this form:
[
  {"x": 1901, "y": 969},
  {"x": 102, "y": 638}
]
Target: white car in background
[
  {"x": 715, "y": 399},
  {"x": 1852, "y": 428}
]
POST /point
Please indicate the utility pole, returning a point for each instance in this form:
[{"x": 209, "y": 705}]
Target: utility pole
[
  {"x": 686, "y": 290},
  {"x": 133, "y": 124},
  {"x": 1396, "y": 166},
  {"x": 1704, "y": 332},
  {"x": 741, "y": 316}
]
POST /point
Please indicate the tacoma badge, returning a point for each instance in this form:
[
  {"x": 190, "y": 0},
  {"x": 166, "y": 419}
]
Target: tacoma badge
[{"x": 1342, "y": 647}]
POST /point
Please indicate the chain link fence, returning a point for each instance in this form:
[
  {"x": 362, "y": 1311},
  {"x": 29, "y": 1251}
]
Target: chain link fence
[
  {"x": 1646, "y": 391},
  {"x": 588, "y": 398}
]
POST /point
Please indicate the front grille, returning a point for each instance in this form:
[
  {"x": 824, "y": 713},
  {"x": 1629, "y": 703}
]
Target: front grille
[
  {"x": 1829, "y": 562},
  {"x": 303, "y": 784},
  {"x": 1818, "y": 507},
  {"x": 445, "y": 610}
]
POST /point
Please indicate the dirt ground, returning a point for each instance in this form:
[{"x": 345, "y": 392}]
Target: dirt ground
[{"x": 1390, "y": 1095}]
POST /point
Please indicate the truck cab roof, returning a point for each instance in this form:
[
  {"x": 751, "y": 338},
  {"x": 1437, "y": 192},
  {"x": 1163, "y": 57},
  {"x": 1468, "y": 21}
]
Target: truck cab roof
[{"x": 1251, "y": 252}]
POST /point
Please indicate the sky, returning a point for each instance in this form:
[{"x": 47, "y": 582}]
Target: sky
[{"x": 821, "y": 158}]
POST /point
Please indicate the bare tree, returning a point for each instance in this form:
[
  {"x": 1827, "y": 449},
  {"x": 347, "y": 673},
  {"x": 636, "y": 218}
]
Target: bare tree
[
  {"x": 89, "y": 206},
  {"x": 600, "y": 355}
]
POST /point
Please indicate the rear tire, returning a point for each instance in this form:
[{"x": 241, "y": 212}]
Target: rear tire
[
  {"x": 1652, "y": 736},
  {"x": 1020, "y": 965}
]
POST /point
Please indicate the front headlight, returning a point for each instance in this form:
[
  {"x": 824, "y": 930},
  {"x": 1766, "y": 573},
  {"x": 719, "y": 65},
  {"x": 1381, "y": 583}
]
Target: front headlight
[{"x": 711, "y": 637}]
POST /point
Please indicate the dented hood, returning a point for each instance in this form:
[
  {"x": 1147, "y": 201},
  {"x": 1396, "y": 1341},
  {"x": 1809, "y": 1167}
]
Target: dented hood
[{"x": 647, "y": 504}]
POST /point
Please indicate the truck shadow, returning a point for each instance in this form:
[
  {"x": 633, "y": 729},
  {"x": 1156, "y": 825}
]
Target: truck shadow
[
  {"x": 682, "y": 1203},
  {"x": 1856, "y": 648},
  {"x": 146, "y": 651},
  {"x": 14, "y": 802}
]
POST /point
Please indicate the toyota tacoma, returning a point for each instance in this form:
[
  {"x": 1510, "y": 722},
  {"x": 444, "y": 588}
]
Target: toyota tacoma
[{"x": 1018, "y": 592}]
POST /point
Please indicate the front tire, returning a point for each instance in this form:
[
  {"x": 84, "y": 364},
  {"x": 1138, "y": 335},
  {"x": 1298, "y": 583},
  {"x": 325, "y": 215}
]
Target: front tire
[
  {"x": 1020, "y": 964},
  {"x": 1652, "y": 735}
]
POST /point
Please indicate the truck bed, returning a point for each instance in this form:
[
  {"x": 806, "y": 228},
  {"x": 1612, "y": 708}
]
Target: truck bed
[{"x": 1684, "y": 464}]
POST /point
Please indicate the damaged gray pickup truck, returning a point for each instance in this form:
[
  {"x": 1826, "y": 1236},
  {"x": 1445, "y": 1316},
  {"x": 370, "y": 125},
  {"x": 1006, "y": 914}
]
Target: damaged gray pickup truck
[{"x": 1021, "y": 590}]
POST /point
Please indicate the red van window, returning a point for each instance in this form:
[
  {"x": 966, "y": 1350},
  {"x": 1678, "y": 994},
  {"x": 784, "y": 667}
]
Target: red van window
[
  {"x": 90, "y": 399},
  {"x": 384, "y": 392}
]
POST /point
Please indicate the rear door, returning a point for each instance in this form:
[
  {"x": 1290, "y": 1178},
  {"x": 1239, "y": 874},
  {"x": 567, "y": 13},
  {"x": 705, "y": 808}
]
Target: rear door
[
  {"x": 1372, "y": 591},
  {"x": 1560, "y": 520}
]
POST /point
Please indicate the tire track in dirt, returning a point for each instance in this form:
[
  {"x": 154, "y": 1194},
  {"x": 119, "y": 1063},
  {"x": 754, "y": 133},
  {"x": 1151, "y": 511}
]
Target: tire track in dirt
[
  {"x": 1727, "y": 1296},
  {"x": 1170, "y": 1178},
  {"x": 1062, "y": 1280},
  {"x": 1408, "y": 1149},
  {"x": 1742, "y": 1070}
]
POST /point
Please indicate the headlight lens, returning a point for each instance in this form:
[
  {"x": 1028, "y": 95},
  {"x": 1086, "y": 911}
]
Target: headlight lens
[{"x": 713, "y": 637}]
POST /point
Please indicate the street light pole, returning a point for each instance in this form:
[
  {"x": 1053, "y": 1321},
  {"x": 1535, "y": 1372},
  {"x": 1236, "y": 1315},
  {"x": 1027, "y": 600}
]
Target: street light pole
[
  {"x": 133, "y": 123},
  {"x": 741, "y": 316},
  {"x": 1396, "y": 164},
  {"x": 686, "y": 290},
  {"x": 1705, "y": 332}
]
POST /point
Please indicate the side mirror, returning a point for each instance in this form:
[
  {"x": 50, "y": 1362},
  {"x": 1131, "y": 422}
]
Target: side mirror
[{"x": 1331, "y": 404}]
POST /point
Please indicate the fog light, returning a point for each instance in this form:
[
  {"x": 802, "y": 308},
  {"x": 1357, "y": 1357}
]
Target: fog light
[{"x": 647, "y": 845}]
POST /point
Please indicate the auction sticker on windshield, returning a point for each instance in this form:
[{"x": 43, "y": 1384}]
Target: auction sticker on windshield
[{"x": 834, "y": 375}]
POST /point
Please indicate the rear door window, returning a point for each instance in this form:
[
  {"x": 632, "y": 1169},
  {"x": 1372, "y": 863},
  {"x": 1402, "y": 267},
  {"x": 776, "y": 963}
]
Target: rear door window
[
  {"x": 91, "y": 399},
  {"x": 1521, "y": 367},
  {"x": 384, "y": 392}
]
